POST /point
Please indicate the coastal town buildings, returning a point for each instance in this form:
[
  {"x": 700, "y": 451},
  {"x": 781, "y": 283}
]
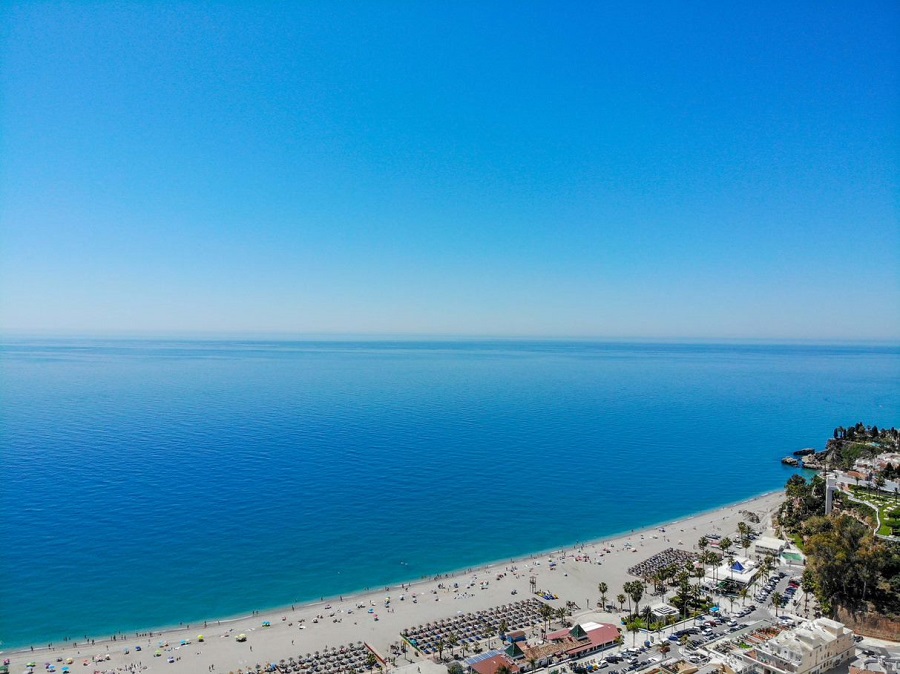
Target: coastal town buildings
[
  {"x": 575, "y": 642},
  {"x": 888, "y": 663},
  {"x": 680, "y": 666},
  {"x": 490, "y": 662},
  {"x": 585, "y": 638},
  {"x": 765, "y": 546},
  {"x": 811, "y": 648}
]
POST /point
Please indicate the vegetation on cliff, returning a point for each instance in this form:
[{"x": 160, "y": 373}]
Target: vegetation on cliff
[
  {"x": 858, "y": 442},
  {"x": 848, "y": 567}
]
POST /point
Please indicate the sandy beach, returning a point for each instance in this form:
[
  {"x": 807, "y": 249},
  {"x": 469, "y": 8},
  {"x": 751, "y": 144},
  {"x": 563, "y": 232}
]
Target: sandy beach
[{"x": 301, "y": 629}]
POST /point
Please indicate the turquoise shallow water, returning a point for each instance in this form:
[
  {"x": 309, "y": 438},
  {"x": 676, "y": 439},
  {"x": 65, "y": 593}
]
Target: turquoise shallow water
[{"x": 148, "y": 483}]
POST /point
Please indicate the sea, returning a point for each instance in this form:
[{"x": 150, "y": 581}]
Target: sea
[{"x": 148, "y": 484}]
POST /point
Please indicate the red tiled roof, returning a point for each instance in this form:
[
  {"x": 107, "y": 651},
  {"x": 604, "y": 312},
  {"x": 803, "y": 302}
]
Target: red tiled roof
[
  {"x": 491, "y": 665},
  {"x": 604, "y": 634},
  {"x": 599, "y": 636}
]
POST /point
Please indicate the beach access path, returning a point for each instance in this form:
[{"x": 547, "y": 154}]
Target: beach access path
[{"x": 297, "y": 631}]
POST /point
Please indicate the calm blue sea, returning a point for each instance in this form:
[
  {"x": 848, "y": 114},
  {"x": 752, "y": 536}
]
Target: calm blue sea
[{"x": 145, "y": 483}]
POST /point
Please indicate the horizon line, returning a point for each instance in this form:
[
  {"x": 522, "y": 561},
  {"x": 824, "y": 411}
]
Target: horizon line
[{"x": 285, "y": 336}]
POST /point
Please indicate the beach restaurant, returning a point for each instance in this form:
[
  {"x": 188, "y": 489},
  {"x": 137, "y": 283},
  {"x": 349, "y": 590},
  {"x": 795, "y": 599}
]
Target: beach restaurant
[
  {"x": 490, "y": 662},
  {"x": 740, "y": 572},
  {"x": 585, "y": 638}
]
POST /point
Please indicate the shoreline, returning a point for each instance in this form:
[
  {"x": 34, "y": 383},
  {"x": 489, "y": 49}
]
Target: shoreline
[{"x": 187, "y": 631}]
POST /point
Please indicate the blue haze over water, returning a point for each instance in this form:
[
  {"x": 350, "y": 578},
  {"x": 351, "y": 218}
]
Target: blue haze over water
[{"x": 149, "y": 483}]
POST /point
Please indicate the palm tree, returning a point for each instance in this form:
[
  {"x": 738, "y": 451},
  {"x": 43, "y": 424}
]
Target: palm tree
[
  {"x": 501, "y": 629},
  {"x": 621, "y": 599},
  {"x": 683, "y": 593},
  {"x": 664, "y": 647},
  {"x": 503, "y": 669},
  {"x": 776, "y": 601},
  {"x": 440, "y": 647},
  {"x": 743, "y": 594},
  {"x": 489, "y": 633},
  {"x": 659, "y": 582},
  {"x": 635, "y": 592},
  {"x": 744, "y": 535},
  {"x": 702, "y": 543},
  {"x": 700, "y": 573},
  {"x": 725, "y": 546},
  {"x": 603, "y": 588},
  {"x": 633, "y": 625},
  {"x": 533, "y": 662},
  {"x": 808, "y": 583},
  {"x": 546, "y": 612},
  {"x": 561, "y": 614},
  {"x": 711, "y": 558},
  {"x": 768, "y": 565},
  {"x": 452, "y": 640}
]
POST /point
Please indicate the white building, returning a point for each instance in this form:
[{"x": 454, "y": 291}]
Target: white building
[
  {"x": 765, "y": 546},
  {"x": 742, "y": 572},
  {"x": 869, "y": 664},
  {"x": 812, "y": 648}
]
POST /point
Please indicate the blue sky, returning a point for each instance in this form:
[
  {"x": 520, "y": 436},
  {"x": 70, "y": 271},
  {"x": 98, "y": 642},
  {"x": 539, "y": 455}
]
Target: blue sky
[{"x": 597, "y": 169}]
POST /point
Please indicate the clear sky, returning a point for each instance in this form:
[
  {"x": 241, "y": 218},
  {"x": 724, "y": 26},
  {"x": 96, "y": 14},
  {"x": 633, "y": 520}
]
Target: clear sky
[{"x": 596, "y": 169}]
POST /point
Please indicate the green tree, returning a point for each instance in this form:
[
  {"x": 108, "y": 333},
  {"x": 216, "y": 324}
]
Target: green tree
[
  {"x": 602, "y": 588},
  {"x": 768, "y": 565},
  {"x": 682, "y": 596},
  {"x": 635, "y": 591},
  {"x": 621, "y": 598},
  {"x": 846, "y": 562},
  {"x": 703, "y": 543},
  {"x": 700, "y": 573},
  {"x": 546, "y": 612},
  {"x": 633, "y": 625},
  {"x": 561, "y": 614},
  {"x": 808, "y": 585},
  {"x": 744, "y": 535},
  {"x": 777, "y": 598}
]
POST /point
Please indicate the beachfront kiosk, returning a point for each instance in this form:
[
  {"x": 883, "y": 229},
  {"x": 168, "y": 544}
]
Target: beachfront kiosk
[{"x": 737, "y": 574}]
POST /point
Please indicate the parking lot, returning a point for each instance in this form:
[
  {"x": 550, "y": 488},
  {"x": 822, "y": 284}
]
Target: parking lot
[{"x": 693, "y": 641}]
